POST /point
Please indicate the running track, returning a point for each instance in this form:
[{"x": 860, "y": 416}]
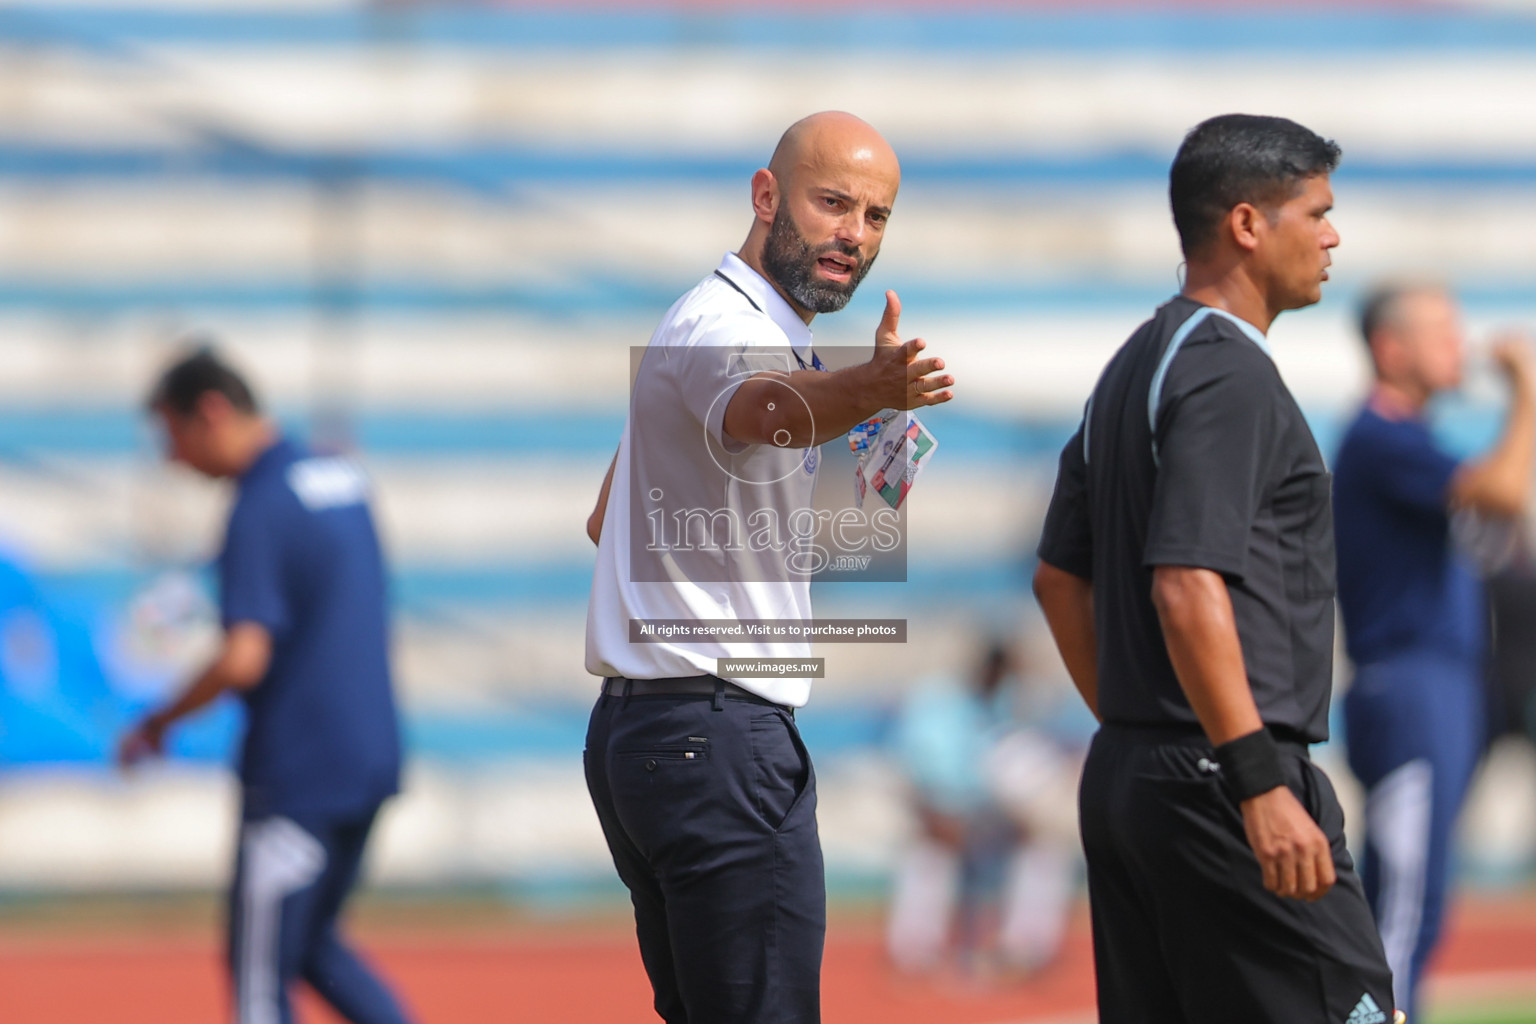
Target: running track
[{"x": 168, "y": 973}]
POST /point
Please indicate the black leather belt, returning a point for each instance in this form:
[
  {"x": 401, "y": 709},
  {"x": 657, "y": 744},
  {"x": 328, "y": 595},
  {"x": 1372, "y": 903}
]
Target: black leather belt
[{"x": 684, "y": 686}]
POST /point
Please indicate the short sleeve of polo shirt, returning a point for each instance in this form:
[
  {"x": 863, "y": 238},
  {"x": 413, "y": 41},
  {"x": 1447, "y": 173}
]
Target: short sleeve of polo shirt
[
  {"x": 250, "y": 570},
  {"x": 1401, "y": 462},
  {"x": 718, "y": 359},
  {"x": 1066, "y": 540},
  {"x": 1215, "y": 437}
]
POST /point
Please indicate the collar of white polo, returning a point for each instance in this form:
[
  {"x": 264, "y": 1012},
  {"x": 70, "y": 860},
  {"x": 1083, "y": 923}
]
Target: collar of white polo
[{"x": 765, "y": 297}]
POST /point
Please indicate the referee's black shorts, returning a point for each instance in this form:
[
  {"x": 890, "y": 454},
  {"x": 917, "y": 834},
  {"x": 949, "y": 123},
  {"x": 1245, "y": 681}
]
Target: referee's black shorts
[{"x": 1184, "y": 931}]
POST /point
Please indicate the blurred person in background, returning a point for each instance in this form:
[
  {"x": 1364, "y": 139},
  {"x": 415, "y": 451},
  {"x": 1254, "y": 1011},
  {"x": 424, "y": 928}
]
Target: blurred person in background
[
  {"x": 305, "y": 646},
  {"x": 991, "y": 771},
  {"x": 1413, "y": 605}
]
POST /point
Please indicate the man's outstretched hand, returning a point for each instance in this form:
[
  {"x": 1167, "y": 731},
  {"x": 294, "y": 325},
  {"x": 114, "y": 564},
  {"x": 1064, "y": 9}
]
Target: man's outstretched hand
[{"x": 905, "y": 381}]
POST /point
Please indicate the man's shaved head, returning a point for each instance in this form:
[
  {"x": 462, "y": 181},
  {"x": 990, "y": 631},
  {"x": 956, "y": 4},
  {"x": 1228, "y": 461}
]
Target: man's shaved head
[
  {"x": 833, "y": 135},
  {"x": 821, "y": 205}
]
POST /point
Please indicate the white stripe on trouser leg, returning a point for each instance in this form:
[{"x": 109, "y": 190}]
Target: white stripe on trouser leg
[
  {"x": 1397, "y": 818},
  {"x": 280, "y": 859},
  {"x": 1037, "y": 900},
  {"x": 927, "y": 888}
]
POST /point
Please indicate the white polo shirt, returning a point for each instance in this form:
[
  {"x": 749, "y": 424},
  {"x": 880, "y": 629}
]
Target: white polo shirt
[{"x": 699, "y": 526}]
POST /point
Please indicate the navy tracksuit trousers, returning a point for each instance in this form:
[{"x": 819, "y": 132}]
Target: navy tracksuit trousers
[
  {"x": 292, "y": 876},
  {"x": 1415, "y": 726}
]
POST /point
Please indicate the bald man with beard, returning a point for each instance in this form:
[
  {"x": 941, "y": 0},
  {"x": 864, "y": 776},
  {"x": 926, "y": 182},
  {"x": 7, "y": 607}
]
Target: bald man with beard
[{"x": 703, "y": 787}]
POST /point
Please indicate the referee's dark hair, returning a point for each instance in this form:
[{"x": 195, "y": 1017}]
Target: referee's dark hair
[
  {"x": 1240, "y": 158},
  {"x": 194, "y": 375}
]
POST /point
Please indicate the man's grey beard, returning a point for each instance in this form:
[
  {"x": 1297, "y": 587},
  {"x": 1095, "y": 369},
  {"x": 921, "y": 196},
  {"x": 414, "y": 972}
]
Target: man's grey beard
[{"x": 791, "y": 263}]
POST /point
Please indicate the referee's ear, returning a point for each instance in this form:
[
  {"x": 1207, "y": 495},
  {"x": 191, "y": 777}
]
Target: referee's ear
[{"x": 1244, "y": 221}]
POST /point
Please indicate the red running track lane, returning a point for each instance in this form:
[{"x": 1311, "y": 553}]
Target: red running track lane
[
  {"x": 591, "y": 976},
  {"x": 569, "y": 978}
]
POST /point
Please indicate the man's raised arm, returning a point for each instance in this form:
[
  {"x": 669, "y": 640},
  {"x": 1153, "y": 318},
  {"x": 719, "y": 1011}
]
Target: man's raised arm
[
  {"x": 765, "y": 410},
  {"x": 1499, "y": 483}
]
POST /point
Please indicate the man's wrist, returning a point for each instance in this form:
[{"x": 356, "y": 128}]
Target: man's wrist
[
  {"x": 865, "y": 390},
  {"x": 1250, "y": 765}
]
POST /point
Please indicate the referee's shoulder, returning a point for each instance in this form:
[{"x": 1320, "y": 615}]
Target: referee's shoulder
[
  {"x": 1218, "y": 342},
  {"x": 1219, "y": 355}
]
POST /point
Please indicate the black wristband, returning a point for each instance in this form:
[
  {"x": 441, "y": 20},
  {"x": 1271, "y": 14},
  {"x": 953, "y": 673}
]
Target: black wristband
[{"x": 1251, "y": 764}]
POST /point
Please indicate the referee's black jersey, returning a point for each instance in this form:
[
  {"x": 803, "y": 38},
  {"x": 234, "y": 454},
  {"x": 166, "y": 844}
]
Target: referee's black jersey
[{"x": 1192, "y": 452}]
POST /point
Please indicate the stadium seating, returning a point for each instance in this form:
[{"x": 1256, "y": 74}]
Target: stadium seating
[{"x": 431, "y": 233}]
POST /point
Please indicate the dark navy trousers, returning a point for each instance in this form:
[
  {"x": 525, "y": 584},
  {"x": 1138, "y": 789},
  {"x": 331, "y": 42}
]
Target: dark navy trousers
[
  {"x": 1415, "y": 726},
  {"x": 709, "y": 809},
  {"x": 292, "y": 876}
]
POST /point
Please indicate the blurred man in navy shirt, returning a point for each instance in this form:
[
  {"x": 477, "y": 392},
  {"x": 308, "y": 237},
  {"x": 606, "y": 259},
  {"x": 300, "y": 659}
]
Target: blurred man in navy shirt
[
  {"x": 1412, "y": 601},
  {"x": 303, "y": 604}
]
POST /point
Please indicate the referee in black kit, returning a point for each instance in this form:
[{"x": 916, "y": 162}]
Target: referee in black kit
[{"x": 1187, "y": 574}]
